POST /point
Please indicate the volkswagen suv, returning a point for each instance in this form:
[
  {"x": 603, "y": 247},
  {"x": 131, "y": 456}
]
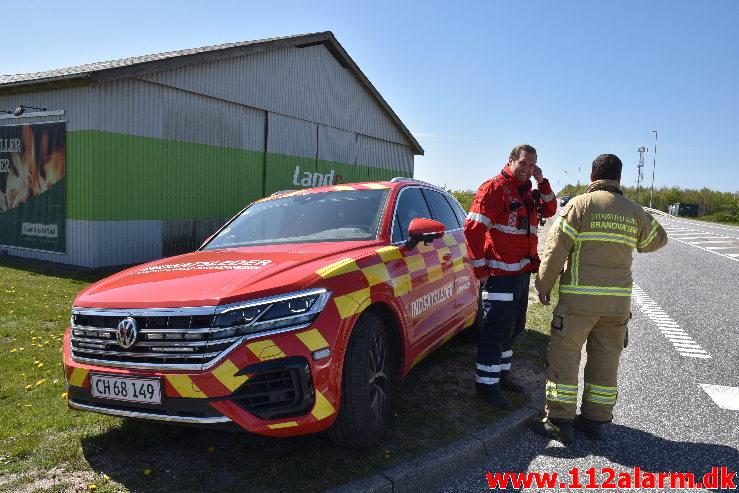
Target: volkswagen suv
[{"x": 293, "y": 318}]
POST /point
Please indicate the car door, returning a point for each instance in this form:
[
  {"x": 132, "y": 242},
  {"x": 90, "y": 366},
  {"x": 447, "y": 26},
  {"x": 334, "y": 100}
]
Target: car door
[{"x": 429, "y": 302}]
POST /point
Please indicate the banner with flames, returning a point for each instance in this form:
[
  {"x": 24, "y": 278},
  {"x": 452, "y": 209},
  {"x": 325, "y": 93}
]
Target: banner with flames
[{"x": 32, "y": 201}]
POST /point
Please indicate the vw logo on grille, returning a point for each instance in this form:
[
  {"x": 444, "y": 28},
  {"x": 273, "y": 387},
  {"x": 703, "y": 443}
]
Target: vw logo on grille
[{"x": 127, "y": 332}]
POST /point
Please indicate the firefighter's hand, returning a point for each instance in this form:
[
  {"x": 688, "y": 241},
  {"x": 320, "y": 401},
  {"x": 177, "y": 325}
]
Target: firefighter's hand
[
  {"x": 545, "y": 298},
  {"x": 483, "y": 280},
  {"x": 538, "y": 175}
]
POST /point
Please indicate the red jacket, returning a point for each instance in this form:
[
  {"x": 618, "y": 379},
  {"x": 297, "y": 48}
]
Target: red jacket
[{"x": 498, "y": 241}]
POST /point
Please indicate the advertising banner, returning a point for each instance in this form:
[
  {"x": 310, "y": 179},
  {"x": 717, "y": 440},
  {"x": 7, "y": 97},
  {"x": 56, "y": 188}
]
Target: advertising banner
[{"x": 32, "y": 169}]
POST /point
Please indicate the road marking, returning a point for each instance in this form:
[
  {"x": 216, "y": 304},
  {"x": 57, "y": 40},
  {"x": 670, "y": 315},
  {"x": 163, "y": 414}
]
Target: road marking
[
  {"x": 722, "y": 248},
  {"x": 725, "y": 255},
  {"x": 724, "y": 397},
  {"x": 712, "y": 241},
  {"x": 681, "y": 340}
]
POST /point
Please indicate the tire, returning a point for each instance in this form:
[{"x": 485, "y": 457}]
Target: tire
[{"x": 365, "y": 386}]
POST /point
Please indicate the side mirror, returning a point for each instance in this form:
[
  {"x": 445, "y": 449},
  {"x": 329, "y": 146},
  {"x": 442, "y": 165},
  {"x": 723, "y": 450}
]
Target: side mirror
[{"x": 423, "y": 230}]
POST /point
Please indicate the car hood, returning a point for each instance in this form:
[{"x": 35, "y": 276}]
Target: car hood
[{"x": 216, "y": 277}]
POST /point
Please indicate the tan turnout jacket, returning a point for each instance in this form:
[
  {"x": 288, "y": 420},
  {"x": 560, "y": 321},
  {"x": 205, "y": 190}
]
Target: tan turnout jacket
[{"x": 595, "y": 234}]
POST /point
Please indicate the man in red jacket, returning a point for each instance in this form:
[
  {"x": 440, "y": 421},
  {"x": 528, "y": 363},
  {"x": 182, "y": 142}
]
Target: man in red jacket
[{"x": 500, "y": 232}]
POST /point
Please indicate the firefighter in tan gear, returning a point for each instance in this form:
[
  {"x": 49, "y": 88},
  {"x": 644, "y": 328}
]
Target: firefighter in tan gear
[{"x": 592, "y": 239}]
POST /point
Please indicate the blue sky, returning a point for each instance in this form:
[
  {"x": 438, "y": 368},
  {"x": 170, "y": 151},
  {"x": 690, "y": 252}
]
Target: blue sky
[{"x": 471, "y": 79}]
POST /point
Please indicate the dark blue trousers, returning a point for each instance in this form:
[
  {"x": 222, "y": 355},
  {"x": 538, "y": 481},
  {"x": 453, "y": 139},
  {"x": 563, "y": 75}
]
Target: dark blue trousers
[{"x": 505, "y": 300}]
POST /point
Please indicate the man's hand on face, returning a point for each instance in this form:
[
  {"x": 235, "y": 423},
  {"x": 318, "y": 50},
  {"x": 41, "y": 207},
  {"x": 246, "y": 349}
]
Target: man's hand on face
[{"x": 538, "y": 175}]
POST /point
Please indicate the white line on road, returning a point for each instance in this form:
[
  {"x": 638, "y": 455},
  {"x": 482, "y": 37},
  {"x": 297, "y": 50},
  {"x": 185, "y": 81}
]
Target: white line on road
[
  {"x": 730, "y": 257},
  {"x": 724, "y": 397},
  {"x": 681, "y": 341}
]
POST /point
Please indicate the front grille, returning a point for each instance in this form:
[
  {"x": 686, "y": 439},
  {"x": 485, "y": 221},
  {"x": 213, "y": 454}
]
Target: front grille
[{"x": 176, "y": 339}]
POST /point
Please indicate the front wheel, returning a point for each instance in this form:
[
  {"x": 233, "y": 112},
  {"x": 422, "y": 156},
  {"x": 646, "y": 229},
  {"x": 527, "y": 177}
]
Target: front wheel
[{"x": 365, "y": 386}]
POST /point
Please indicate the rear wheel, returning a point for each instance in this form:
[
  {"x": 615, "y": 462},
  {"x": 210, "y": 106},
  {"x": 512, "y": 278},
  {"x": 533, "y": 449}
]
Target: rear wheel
[{"x": 365, "y": 387}]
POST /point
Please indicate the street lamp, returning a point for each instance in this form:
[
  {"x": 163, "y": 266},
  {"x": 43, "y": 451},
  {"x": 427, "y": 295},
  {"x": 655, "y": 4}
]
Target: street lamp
[{"x": 654, "y": 166}]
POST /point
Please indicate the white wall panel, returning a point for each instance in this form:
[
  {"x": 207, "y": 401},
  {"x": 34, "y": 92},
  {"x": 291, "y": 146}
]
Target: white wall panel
[
  {"x": 291, "y": 136},
  {"x": 336, "y": 145},
  {"x": 96, "y": 244},
  {"x": 384, "y": 154},
  {"x": 306, "y": 83}
]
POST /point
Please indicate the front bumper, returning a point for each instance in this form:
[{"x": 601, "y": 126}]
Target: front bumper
[{"x": 270, "y": 387}]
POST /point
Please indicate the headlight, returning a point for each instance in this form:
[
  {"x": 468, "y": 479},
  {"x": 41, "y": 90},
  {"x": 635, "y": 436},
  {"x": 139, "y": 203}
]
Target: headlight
[{"x": 285, "y": 311}]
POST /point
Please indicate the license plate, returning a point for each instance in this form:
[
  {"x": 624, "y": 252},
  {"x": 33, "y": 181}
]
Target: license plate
[{"x": 132, "y": 389}]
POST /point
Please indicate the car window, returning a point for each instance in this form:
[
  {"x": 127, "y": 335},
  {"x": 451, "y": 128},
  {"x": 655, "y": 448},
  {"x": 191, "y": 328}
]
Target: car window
[
  {"x": 352, "y": 215},
  {"x": 410, "y": 205},
  {"x": 457, "y": 208},
  {"x": 441, "y": 209}
]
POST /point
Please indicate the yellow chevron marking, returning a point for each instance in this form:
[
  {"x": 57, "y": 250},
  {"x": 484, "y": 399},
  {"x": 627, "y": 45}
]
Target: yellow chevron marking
[
  {"x": 313, "y": 339},
  {"x": 463, "y": 248},
  {"x": 323, "y": 408},
  {"x": 286, "y": 424},
  {"x": 78, "y": 376},
  {"x": 389, "y": 253},
  {"x": 265, "y": 350},
  {"x": 423, "y": 248},
  {"x": 376, "y": 274},
  {"x": 415, "y": 263},
  {"x": 469, "y": 322},
  {"x": 226, "y": 374},
  {"x": 450, "y": 240},
  {"x": 348, "y": 304},
  {"x": 402, "y": 284},
  {"x": 337, "y": 268},
  {"x": 185, "y": 386},
  {"x": 343, "y": 187},
  {"x": 376, "y": 186},
  {"x": 458, "y": 264},
  {"x": 434, "y": 273},
  {"x": 420, "y": 357}
]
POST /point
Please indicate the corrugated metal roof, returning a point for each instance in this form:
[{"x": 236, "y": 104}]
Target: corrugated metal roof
[{"x": 135, "y": 66}]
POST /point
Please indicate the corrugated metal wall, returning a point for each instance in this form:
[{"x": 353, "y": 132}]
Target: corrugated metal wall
[
  {"x": 297, "y": 107},
  {"x": 306, "y": 83}
]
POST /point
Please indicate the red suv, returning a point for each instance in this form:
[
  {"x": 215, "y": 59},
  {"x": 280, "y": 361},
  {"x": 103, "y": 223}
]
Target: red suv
[{"x": 293, "y": 318}]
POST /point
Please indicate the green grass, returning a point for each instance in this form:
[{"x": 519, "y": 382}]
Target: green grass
[
  {"x": 47, "y": 447},
  {"x": 720, "y": 218}
]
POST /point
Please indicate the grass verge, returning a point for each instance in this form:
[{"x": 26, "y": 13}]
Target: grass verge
[{"x": 48, "y": 448}]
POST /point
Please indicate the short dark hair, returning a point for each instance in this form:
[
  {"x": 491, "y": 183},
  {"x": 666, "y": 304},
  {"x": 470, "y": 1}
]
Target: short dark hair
[
  {"x": 607, "y": 167},
  {"x": 516, "y": 152}
]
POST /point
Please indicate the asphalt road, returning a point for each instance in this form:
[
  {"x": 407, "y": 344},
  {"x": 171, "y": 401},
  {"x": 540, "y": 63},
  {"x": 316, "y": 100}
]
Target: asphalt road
[{"x": 678, "y": 407}]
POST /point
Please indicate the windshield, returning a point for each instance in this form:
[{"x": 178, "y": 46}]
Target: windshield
[{"x": 310, "y": 218}]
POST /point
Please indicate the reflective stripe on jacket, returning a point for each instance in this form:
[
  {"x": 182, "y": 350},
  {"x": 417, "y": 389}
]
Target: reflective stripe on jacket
[
  {"x": 501, "y": 228},
  {"x": 596, "y": 234}
]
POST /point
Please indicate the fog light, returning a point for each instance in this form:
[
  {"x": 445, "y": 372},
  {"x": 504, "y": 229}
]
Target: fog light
[{"x": 321, "y": 354}]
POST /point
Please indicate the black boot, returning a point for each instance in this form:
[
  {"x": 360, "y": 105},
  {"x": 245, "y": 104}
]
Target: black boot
[
  {"x": 492, "y": 395},
  {"x": 591, "y": 428},
  {"x": 508, "y": 384},
  {"x": 559, "y": 429}
]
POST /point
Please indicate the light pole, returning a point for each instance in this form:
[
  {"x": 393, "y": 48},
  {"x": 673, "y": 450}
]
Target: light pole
[
  {"x": 639, "y": 175},
  {"x": 654, "y": 166}
]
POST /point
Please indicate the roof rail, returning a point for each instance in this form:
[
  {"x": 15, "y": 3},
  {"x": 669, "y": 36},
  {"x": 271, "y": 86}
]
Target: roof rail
[{"x": 403, "y": 178}]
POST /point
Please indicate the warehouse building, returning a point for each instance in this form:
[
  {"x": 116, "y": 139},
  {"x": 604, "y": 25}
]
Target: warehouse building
[{"x": 130, "y": 160}]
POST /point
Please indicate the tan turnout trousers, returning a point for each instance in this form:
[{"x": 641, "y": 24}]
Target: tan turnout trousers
[{"x": 605, "y": 336}]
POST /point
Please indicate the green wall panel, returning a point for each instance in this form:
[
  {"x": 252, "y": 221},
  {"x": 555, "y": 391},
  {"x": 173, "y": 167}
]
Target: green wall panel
[{"x": 114, "y": 176}]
